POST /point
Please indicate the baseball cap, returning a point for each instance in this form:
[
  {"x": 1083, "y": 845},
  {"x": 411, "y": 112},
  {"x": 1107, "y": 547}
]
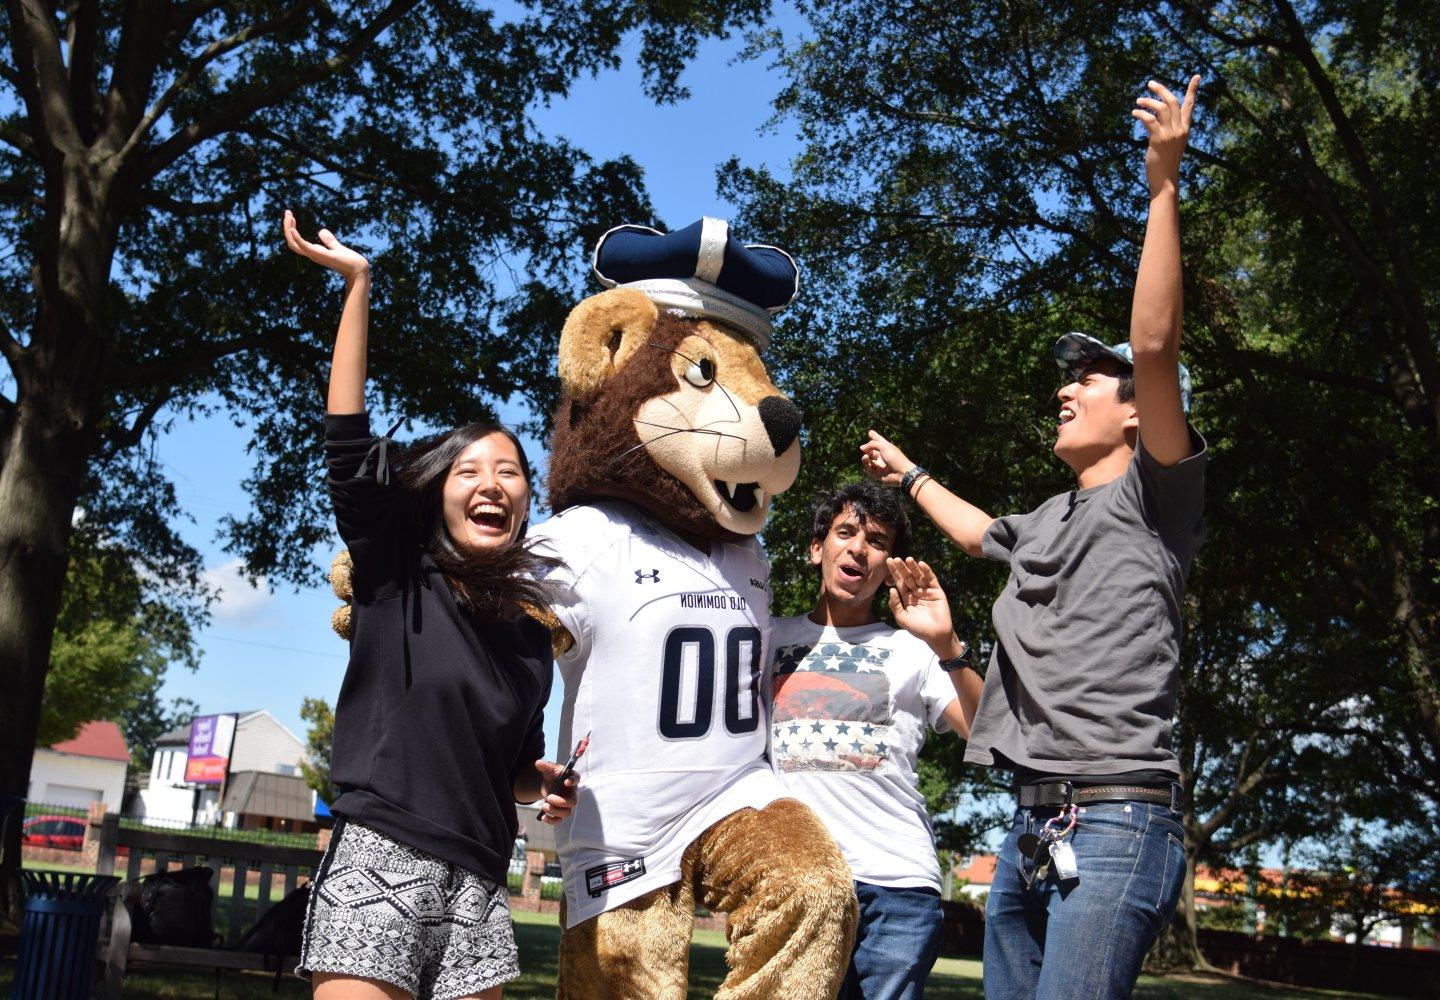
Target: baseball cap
[{"x": 1075, "y": 350}]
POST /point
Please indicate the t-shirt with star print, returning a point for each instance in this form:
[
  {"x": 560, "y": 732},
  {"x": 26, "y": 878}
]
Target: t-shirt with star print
[{"x": 850, "y": 709}]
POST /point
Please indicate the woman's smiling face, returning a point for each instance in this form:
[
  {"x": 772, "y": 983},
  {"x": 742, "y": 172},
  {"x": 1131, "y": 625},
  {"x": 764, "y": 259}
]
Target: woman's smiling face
[{"x": 487, "y": 496}]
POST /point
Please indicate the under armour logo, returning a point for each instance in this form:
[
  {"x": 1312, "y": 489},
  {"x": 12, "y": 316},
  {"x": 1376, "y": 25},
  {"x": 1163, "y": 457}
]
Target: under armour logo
[
  {"x": 653, "y": 576},
  {"x": 756, "y": 584}
]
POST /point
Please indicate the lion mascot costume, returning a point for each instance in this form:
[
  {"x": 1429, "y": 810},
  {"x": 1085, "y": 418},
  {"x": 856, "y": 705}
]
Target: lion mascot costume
[{"x": 668, "y": 444}]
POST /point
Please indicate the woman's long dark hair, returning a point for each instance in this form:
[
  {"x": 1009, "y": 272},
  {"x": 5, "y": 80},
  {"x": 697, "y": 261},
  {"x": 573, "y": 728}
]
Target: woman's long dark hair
[{"x": 498, "y": 582}]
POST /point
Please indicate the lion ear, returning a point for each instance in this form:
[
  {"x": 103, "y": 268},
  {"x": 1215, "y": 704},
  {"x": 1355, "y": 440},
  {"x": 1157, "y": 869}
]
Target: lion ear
[{"x": 600, "y": 335}]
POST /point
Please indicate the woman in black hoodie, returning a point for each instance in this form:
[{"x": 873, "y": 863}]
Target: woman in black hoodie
[{"x": 438, "y": 723}]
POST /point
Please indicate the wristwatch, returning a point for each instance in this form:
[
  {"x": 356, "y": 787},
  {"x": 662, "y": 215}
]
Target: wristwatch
[
  {"x": 908, "y": 479},
  {"x": 965, "y": 659}
]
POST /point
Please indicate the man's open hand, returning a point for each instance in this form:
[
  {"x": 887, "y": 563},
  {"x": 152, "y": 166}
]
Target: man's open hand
[{"x": 1167, "y": 119}]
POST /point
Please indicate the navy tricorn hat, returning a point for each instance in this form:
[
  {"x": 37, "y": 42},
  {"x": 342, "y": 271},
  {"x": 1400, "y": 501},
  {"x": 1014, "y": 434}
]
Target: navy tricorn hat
[{"x": 701, "y": 271}]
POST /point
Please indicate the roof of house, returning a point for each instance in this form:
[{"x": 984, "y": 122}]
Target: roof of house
[
  {"x": 978, "y": 869},
  {"x": 1234, "y": 881},
  {"x": 97, "y": 739},
  {"x": 284, "y": 796}
]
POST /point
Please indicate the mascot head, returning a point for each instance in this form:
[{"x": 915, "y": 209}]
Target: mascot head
[{"x": 666, "y": 401}]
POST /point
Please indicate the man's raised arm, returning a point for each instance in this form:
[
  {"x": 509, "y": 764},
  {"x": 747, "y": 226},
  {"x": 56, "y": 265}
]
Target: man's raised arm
[
  {"x": 961, "y": 521},
  {"x": 1157, "y": 312}
]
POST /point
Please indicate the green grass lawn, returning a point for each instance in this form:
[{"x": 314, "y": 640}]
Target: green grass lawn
[{"x": 539, "y": 938}]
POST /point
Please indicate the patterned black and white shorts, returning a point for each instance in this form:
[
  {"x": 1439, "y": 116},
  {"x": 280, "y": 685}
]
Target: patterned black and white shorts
[{"x": 381, "y": 910}]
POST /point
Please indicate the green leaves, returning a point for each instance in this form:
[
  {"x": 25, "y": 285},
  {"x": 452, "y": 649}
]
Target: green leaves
[
  {"x": 405, "y": 128},
  {"x": 113, "y": 643},
  {"x": 319, "y": 740},
  {"x": 972, "y": 186}
]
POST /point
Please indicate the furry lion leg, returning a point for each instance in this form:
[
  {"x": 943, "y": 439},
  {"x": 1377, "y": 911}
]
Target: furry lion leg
[
  {"x": 790, "y": 898},
  {"x": 639, "y": 951}
]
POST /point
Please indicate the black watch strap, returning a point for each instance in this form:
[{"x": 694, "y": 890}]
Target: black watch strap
[
  {"x": 910, "y": 478},
  {"x": 965, "y": 659}
]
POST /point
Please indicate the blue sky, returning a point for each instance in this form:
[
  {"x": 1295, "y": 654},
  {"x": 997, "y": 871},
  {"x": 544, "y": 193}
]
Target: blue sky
[{"x": 270, "y": 650}]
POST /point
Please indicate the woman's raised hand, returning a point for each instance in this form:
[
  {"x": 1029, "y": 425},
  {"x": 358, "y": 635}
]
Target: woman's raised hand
[
  {"x": 883, "y": 461},
  {"x": 329, "y": 252}
]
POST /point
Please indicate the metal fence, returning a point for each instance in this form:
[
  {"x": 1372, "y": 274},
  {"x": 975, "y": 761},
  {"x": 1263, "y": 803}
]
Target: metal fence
[
  {"x": 277, "y": 838},
  {"x": 33, "y": 809}
]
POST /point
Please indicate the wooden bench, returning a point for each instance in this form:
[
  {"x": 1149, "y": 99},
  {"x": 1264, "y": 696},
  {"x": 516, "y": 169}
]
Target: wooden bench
[{"x": 275, "y": 872}]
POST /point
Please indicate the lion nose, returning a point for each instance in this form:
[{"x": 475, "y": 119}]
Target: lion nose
[{"x": 782, "y": 421}]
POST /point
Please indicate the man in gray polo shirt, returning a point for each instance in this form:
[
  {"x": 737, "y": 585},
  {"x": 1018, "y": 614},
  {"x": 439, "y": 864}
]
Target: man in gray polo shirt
[{"x": 1080, "y": 693}]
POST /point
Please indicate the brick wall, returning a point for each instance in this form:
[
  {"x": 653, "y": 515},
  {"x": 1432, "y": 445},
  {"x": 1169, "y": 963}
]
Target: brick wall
[{"x": 1405, "y": 972}]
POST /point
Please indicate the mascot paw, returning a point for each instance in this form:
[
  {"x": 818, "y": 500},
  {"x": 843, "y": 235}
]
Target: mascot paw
[
  {"x": 341, "y": 569},
  {"x": 340, "y": 621},
  {"x": 561, "y": 641}
]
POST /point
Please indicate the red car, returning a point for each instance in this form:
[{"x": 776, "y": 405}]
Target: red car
[{"x": 64, "y": 832}]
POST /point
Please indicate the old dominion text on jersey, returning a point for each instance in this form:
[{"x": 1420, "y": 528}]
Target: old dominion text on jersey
[{"x": 718, "y": 602}]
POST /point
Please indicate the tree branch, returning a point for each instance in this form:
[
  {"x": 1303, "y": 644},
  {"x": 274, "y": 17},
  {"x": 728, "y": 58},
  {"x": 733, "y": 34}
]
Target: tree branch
[
  {"x": 142, "y": 39},
  {"x": 211, "y": 52},
  {"x": 332, "y": 165},
  {"x": 1233, "y": 845},
  {"x": 171, "y": 370},
  {"x": 35, "y": 44},
  {"x": 9, "y": 346},
  {"x": 1266, "y": 362},
  {"x": 132, "y": 435},
  {"x": 82, "y": 25},
  {"x": 1255, "y": 40},
  {"x": 19, "y": 192},
  {"x": 184, "y": 15},
  {"x": 140, "y": 378},
  {"x": 1245, "y": 783},
  {"x": 190, "y": 209},
  {"x": 17, "y": 139},
  {"x": 246, "y": 103},
  {"x": 1410, "y": 300}
]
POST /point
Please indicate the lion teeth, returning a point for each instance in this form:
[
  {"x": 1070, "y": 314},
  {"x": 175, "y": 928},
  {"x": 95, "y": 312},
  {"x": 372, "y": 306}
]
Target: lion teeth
[{"x": 729, "y": 487}]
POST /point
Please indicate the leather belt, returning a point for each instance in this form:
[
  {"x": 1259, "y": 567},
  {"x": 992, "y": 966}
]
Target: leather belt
[{"x": 1055, "y": 794}]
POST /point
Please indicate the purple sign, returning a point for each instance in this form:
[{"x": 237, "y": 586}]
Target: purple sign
[
  {"x": 202, "y": 735},
  {"x": 211, "y": 737}
]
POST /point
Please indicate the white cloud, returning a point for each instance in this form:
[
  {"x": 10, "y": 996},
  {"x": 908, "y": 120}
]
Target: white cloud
[{"x": 239, "y": 603}]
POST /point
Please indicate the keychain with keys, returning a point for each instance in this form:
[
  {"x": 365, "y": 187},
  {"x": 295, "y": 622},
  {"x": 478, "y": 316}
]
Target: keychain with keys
[
  {"x": 1061, "y": 853},
  {"x": 1035, "y": 850}
]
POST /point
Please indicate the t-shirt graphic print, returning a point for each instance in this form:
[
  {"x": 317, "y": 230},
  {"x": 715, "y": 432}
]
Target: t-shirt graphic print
[
  {"x": 832, "y": 706},
  {"x": 849, "y": 712}
]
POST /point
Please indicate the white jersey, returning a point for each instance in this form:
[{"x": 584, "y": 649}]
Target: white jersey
[{"x": 665, "y": 676}]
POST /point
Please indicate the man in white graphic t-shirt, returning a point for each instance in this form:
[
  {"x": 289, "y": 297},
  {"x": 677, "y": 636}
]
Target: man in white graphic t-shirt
[{"x": 852, "y": 700}]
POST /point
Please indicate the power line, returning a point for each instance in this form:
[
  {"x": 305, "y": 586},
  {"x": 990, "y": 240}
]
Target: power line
[{"x": 271, "y": 645}]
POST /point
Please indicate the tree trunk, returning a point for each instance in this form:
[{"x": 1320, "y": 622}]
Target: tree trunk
[
  {"x": 39, "y": 483},
  {"x": 1177, "y": 948},
  {"x": 59, "y": 382}
]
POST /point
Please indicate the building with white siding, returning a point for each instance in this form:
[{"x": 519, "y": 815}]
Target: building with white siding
[
  {"x": 261, "y": 744},
  {"x": 89, "y": 768}
]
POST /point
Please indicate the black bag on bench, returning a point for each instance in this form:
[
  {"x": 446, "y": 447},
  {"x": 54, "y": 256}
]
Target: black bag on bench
[
  {"x": 280, "y": 931},
  {"x": 176, "y": 908}
]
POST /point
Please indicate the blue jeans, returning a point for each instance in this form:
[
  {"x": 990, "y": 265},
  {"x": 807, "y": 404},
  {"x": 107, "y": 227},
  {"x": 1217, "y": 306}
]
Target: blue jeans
[
  {"x": 896, "y": 943},
  {"x": 1087, "y": 938}
]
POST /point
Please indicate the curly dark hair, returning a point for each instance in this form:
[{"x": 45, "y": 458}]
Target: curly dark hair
[
  {"x": 500, "y": 582},
  {"x": 870, "y": 502}
]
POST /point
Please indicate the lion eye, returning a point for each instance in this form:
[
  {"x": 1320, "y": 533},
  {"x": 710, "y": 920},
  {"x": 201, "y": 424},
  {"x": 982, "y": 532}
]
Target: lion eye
[{"x": 700, "y": 373}]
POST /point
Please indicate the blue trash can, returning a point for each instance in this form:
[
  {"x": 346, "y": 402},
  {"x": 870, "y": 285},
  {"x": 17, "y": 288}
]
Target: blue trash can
[{"x": 59, "y": 933}]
